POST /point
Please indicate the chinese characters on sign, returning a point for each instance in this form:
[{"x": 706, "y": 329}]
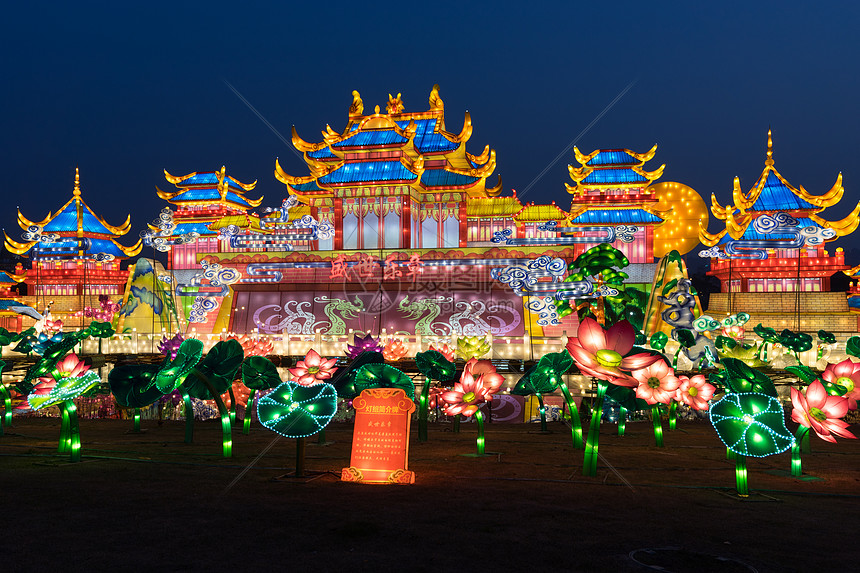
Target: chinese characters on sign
[{"x": 380, "y": 441}]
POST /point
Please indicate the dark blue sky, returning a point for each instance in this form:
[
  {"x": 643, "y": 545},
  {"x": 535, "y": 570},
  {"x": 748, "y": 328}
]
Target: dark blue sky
[{"x": 126, "y": 91}]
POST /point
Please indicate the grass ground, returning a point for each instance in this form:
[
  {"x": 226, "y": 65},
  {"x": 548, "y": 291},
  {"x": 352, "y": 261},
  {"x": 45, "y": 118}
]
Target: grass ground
[{"x": 150, "y": 501}]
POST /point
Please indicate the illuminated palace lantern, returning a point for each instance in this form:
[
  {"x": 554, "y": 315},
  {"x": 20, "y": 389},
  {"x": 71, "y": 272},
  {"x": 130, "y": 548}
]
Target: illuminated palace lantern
[
  {"x": 10, "y": 319},
  {"x": 394, "y": 228},
  {"x": 773, "y": 242},
  {"x": 613, "y": 189},
  {"x": 74, "y": 257}
]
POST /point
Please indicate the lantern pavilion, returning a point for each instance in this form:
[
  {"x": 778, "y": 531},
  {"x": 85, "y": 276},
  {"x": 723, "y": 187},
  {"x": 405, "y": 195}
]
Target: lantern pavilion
[
  {"x": 394, "y": 227},
  {"x": 74, "y": 256},
  {"x": 10, "y": 319},
  {"x": 773, "y": 237}
]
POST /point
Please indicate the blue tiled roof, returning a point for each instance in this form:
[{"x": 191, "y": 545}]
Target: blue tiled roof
[
  {"x": 366, "y": 171},
  {"x": 612, "y": 157},
  {"x": 5, "y": 278},
  {"x": 776, "y": 196},
  {"x": 616, "y": 217},
  {"x": 609, "y": 176},
  {"x": 311, "y": 186},
  {"x": 67, "y": 220},
  {"x": 442, "y": 178},
  {"x": 209, "y": 195},
  {"x": 426, "y": 141},
  {"x": 372, "y": 138},
  {"x": 209, "y": 179},
  {"x": 197, "y": 227},
  {"x": 324, "y": 153},
  {"x": 7, "y": 303},
  {"x": 752, "y": 235}
]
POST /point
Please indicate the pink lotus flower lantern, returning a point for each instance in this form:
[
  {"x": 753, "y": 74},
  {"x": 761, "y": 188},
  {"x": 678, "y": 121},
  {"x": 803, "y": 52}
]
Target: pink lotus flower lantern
[
  {"x": 313, "y": 369},
  {"x": 477, "y": 385},
  {"x": 657, "y": 383},
  {"x": 695, "y": 391},
  {"x": 820, "y": 412},
  {"x": 252, "y": 346},
  {"x": 602, "y": 353},
  {"x": 444, "y": 350},
  {"x": 394, "y": 350},
  {"x": 846, "y": 374},
  {"x": 69, "y": 367}
]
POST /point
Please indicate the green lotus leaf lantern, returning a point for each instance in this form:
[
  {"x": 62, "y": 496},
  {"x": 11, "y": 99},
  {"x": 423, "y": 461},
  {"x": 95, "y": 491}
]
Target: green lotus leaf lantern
[
  {"x": 99, "y": 329},
  {"x": 434, "y": 365},
  {"x": 66, "y": 389},
  {"x": 658, "y": 340},
  {"x": 133, "y": 385},
  {"x": 219, "y": 366},
  {"x": 751, "y": 424},
  {"x": 741, "y": 378},
  {"x": 826, "y": 337},
  {"x": 174, "y": 372},
  {"x": 383, "y": 376},
  {"x": 258, "y": 373},
  {"x": 852, "y": 346},
  {"x": 795, "y": 341},
  {"x": 295, "y": 411},
  {"x": 344, "y": 378},
  {"x": 767, "y": 334}
]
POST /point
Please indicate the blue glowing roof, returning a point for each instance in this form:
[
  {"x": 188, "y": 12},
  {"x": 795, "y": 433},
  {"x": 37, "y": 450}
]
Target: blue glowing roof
[
  {"x": 209, "y": 179},
  {"x": 372, "y": 138},
  {"x": 442, "y": 178},
  {"x": 324, "y": 153},
  {"x": 426, "y": 140},
  {"x": 776, "y": 196},
  {"x": 752, "y": 235},
  {"x": 609, "y": 176},
  {"x": 612, "y": 157},
  {"x": 616, "y": 217},
  {"x": 311, "y": 186},
  {"x": 367, "y": 171},
  {"x": 5, "y": 278},
  {"x": 196, "y": 227},
  {"x": 210, "y": 194},
  {"x": 67, "y": 220}
]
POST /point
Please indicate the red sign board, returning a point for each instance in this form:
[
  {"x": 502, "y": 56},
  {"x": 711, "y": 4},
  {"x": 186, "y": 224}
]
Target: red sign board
[{"x": 380, "y": 440}]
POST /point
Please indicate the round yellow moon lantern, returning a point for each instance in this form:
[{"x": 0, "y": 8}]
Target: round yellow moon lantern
[{"x": 680, "y": 231}]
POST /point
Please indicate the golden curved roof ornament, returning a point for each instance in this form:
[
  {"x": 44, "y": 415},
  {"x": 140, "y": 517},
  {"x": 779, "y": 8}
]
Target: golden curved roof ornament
[
  {"x": 357, "y": 106},
  {"x": 736, "y": 224},
  {"x": 464, "y": 134},
  {"x": 578, "y": 173},
  {"x": 304, "y": 146},
  {"x": 24, "y": 222},
  {"x": 496, "y": 189},
  {"x": 828, "y": 199},
  {"x": 707, "y": 238},
  {"x": 18, "y": 248},
  {"x": 436, "y": 101},
  {"x": 132, "y": 250},
  {"x": 480, "y": 159},
  {"x": 581, "y": 158},
  {"x": 394, "y": 105},
  {"x": 844, "y": 226},
  {"x": 416, "y": 165},
  {"x": 482, "y": 171},
  {"x": 222, "y": 186},
  {"x": 120, "y": 230},
  {"x": 282, "y": 176},
  {"x": 643, "y": 157},
  {"x": 176, "y": 180},
  {"x": 649, "y": 175},
  {"x": 741, "y": 201}
]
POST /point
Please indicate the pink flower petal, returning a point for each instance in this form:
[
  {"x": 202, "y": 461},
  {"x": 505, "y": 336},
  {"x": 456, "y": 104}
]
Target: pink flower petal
[
  {"x": 620, "y": 337},
  {"x": 591, "y": 335}
]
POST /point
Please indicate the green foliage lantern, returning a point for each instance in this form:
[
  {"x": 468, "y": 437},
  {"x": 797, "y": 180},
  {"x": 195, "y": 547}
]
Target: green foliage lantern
[
  {"x": 751, "y": 424},
  {"x": 383, "y": 376},
  {"x": 296, "y": 411}
]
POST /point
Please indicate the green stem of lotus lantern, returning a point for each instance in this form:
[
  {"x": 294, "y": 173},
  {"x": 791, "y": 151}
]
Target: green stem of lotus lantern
[
  {"x": 226, "y": 427},
  {"x": 189, "y": 418},
  {"x": 673, "y": 415},
  {"x": 741, "y": 475},
  {"x": 730, "y": 455},
  {"x": 321, "y": 437},
  {"x": 796, "y": 466},
  {"x": 74, "y": 439},
  {"x": 423, "y": 410},
  {"x": 675, "y": 358},
  {"x": 575, "y": 422},
  {"x": 456, "y": 426},
  {"x": 589, "y": 465},
  {"x": 137, "y": 420},
  {"x": 249, "y": 412},
  {"x": 658, "y": 425},
  {"x": 300, "y": 457},
  {"x": 804, "y": 442},
  {"x": 7, "y": 405},
  {"x": 479, "y": 418},
  {"x": 542, "y": 410},
  {"x": 622, "y": 421},
  {"x": 232, "y": 405},
  {"x": 63, "y": 447}
]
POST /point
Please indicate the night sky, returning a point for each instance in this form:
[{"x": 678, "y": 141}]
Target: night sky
[{"x": 125, "y": 91}]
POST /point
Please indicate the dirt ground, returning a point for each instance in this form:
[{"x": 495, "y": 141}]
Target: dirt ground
[{"x": 150, "y": 501}]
